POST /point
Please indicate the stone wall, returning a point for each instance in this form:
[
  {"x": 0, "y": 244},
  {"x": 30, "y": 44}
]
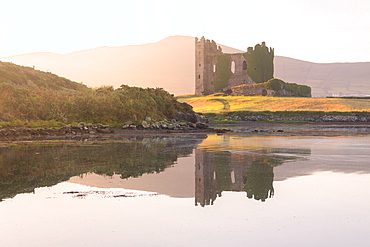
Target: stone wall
[
  {"x": 273, "y": 87},
  {"x": 251, "y": 90},
  {"x": 239, "y": 68}
]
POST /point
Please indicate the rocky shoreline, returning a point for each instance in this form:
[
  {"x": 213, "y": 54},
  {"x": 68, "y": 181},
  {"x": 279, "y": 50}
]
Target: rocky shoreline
[
  {"x": 89, "y": 131},
  {"x": 259, "y": 128},
  {"x": 312, "y": 118},
  {"x": 10, "y": 133},
  {"x": 319, "y": 117},
  {"x": 298, "y": 128}
]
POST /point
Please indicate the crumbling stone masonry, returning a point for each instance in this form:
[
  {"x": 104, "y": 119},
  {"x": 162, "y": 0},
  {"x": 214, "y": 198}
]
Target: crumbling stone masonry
[{"x": 216, "y": 71}]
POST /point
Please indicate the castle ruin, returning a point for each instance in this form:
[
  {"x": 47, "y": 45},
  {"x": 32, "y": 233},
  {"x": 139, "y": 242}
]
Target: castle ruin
[{"x": 216, "y": 71}]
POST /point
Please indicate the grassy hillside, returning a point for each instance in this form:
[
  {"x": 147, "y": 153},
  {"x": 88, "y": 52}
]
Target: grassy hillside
[
  {"x": 28, "y": 95},
  {"x": 216, "y": 104},
  {"x": 21, "y": 76}
]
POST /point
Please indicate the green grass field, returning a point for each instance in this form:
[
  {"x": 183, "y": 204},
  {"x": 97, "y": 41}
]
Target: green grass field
[{"x": 217, "y": 104}]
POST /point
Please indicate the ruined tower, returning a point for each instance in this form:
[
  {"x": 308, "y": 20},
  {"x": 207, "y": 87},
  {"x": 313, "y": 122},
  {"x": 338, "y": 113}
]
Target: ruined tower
[
  {"x": 216, "y": 71},
  {"x": 206, "y": 52}
]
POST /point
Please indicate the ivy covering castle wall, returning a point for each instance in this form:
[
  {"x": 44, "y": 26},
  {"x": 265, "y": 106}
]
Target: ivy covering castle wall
[
  {"x": 223, "y": 72},
  {"x": 260, "y": 62}
]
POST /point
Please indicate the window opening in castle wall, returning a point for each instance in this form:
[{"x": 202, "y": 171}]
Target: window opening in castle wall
[
  {"x": 233, "y": 67},
  {"x": 245, "y": 65}
]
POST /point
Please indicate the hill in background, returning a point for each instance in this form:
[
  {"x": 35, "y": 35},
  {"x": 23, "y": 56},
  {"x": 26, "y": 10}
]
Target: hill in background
[
  {"x": 169, "y": 64},
  {"x": 326, "y": 79}
]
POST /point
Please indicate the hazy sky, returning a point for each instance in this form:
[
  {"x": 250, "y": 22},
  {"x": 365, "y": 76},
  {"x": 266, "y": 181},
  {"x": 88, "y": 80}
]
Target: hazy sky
[{"x": 312, "y": 30}]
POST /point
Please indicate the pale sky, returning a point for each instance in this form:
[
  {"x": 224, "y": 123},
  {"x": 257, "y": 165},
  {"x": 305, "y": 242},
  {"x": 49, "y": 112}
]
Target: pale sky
[{"x": 311, "y": 30}]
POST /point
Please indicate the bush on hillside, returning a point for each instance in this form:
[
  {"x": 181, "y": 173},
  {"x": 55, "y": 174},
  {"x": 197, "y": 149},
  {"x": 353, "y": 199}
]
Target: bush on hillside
[
  {"x": 105, "y": 104},
  {"x": 304, "y": 90},
  {"x": 274, "y": 84}
]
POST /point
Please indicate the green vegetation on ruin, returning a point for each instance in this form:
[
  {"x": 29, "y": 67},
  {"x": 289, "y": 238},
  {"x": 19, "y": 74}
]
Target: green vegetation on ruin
[
  {"x": 223, "y": 72},
  {"x": 260, "y": 63},
  {"x": 294, "y": 88}
]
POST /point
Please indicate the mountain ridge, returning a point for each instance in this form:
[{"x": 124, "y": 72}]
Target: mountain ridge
[{"x": 169, "y": 64}]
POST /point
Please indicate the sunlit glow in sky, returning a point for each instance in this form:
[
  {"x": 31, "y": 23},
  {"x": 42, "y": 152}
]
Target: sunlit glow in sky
[{"x": 315, "y": 30}]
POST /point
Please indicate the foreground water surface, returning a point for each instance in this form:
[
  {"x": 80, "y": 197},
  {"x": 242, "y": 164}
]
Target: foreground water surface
[{"x": 214, "y": 190}]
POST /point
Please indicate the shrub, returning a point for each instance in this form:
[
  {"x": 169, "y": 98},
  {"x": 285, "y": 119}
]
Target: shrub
[
  {"x": 274, "y": 84},
  {"x": 304, "y": 90}
]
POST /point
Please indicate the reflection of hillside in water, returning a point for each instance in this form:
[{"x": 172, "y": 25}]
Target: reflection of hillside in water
[
  {"x": 221, "y": 163},
  {"x": 249, "y": 170},
  {"x": 26, "y": 167}
]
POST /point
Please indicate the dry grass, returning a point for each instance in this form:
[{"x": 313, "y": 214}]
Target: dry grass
[{"x": 213, "y": 104}]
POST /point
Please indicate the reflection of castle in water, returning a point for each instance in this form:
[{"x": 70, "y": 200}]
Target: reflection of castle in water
[{"x": 224, "y": 171}]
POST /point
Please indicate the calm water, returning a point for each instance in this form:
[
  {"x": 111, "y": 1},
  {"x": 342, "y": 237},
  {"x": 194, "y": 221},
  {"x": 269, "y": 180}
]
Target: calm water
[{"x": 215, "y": 190}]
